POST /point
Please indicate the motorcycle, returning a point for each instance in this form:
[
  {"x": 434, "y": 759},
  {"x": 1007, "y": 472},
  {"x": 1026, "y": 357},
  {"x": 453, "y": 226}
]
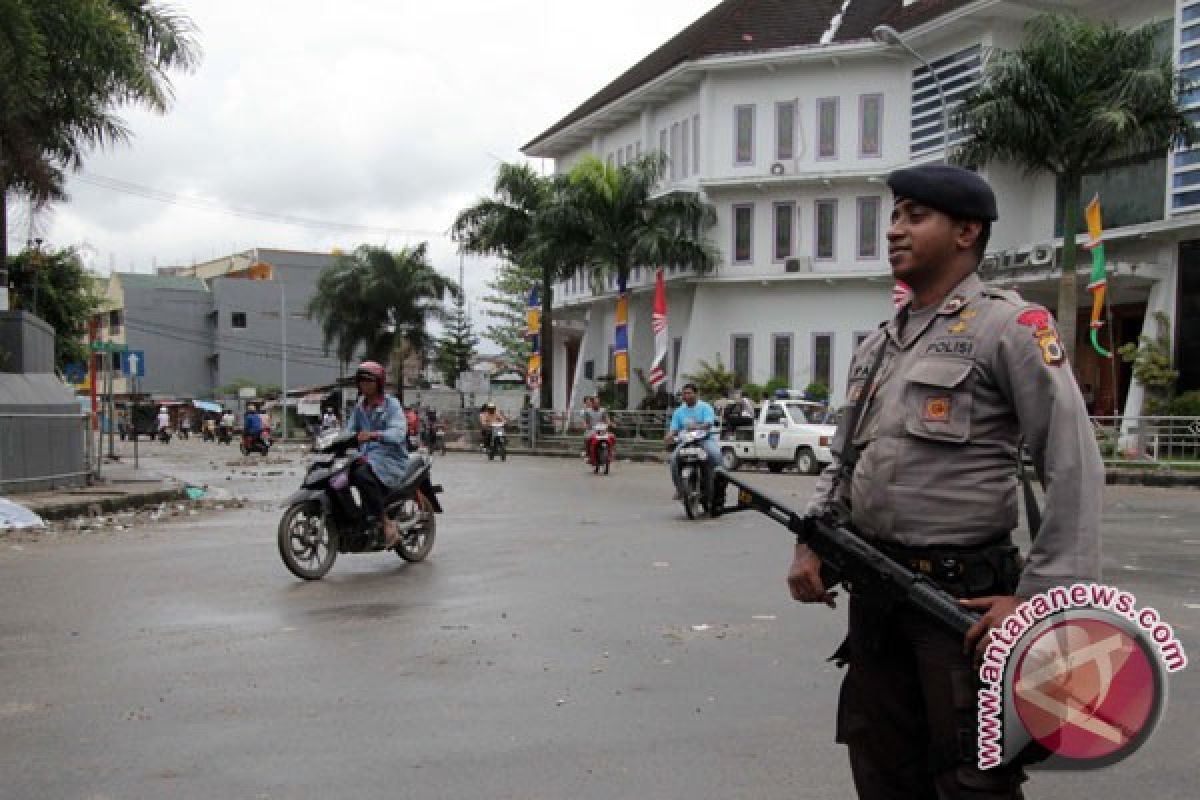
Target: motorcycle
[
  {"x": 207, "y": 435},
  {"x": 439, "y": 439},
  {"x": 164, "y": 435},
  {"x": 601, "y": 443},
  {"x": 224, "y": 435},
  {"x": 255, "y": 443},
  {"x": 696, "y": 475},
  {"x": 325, "y": 516},
  {"x": 498, "y": 445}
]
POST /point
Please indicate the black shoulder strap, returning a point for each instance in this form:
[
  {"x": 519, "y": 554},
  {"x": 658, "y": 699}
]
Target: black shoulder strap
[{"x": 1033, "y": 514}]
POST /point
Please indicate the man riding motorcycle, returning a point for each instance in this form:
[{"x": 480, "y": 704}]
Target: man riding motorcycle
[
  {"x": 252, "y": 428},
  {"x": 487, "y": 418},
  {"x": 692, "y": 414},
  {"x": 594, "y": 415},
  {"x": 379, "y": 422}
]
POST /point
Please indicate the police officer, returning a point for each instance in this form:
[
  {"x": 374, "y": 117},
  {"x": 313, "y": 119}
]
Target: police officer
[{"x": 946, "y": 389}]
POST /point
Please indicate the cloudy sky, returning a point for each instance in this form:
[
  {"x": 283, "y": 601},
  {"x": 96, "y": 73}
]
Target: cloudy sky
[{"x": 382, "y": 113}]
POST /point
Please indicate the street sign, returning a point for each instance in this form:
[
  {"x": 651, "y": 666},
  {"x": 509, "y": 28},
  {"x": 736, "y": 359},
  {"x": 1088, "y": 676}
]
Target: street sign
[
  {"x": 109, "y": 347},
  {"x": 133, "y": 363}
]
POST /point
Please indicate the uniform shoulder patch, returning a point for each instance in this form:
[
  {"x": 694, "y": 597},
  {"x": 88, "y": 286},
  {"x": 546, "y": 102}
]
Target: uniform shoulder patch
[{"x": 1041, "y": 322}]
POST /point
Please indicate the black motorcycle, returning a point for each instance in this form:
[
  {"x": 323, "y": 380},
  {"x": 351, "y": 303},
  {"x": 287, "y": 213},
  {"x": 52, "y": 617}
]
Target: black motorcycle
[
  {"x": 255, "y": 443},
  {"x": 164, "y": 435},
  {"x": 696, "y": 475},
  {"x": 224, "y": 435},
  {"x": 325, "y": 516},
  {"x": 498, "y": 443}
]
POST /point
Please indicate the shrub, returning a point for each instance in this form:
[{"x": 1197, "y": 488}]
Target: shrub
[{"x": 817, "y": 392}]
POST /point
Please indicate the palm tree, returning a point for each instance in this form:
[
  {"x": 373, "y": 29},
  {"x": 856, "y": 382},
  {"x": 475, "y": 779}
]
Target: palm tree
[
  {"x": 1074, "y": 97},
  {"x": 66, "y": 65},
  {"x": 626, "y": 225},
  {"x": 378, "y": 301},
  {"x": 512, "y": 224}
]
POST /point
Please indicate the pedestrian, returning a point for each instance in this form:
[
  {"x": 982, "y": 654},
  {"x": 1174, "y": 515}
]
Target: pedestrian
[{"x": 940, "y": 397}]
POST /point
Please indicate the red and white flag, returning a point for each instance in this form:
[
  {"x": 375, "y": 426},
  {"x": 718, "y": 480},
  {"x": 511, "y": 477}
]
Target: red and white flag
[
  {"x": 658, "y": 370},
  {"x": 900, "y": 294}
]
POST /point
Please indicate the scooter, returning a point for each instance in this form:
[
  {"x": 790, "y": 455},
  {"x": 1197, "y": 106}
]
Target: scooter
[
  {"x": 498, "y": 446},
  {"x": 696, "y": 475},
  {"x": 601, "y": 445},
  {"x": 325, "y": 516}
]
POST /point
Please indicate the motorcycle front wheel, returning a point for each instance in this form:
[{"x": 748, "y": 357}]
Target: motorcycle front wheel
[
  {"x": 691, "y": 493},
  {"x": 415, "y": 544},
  {"x": 307, "y": 545}
]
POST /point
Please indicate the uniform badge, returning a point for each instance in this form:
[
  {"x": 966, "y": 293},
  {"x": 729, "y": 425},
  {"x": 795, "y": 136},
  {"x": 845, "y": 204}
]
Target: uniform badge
[
  {"x": 968, "y": 313},
  {"x": 958, "y": 328},
  {"x": 1045, "y": 333},
  {"x": 954, "y": 304},
  {"x": 937, "y": 409}
]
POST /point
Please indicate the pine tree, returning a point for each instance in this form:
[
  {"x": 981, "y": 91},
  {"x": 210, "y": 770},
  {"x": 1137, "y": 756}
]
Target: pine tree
[
  {"x": 457, "y": 345},
  {"x": 508, "y": 300}
]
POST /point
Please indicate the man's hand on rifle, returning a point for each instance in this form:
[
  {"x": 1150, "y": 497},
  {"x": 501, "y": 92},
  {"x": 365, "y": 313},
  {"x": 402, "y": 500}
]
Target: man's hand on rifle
[
  {"x": 995, "y": 610},
  {"x": 804, "y": 578}
]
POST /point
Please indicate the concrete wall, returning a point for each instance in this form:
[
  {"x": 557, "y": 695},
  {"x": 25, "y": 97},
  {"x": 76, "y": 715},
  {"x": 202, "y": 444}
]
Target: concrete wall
[
  {"x": 171, "y": 327},
  {"x": 26, "y": 343}
]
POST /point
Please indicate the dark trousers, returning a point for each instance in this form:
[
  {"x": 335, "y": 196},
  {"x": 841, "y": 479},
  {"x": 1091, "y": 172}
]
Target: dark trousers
[
  {"x": 370, "y": 489},
  {"x": 907, "y": 711}
]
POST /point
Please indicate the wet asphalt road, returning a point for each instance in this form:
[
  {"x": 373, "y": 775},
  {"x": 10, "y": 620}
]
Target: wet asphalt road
[{"x": 571, "y": 636}]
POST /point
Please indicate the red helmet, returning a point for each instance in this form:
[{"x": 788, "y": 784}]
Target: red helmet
[{"x": 374, "y": 369}]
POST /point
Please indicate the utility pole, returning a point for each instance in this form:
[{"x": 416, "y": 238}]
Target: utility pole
[{"x": 283, "y": 342}]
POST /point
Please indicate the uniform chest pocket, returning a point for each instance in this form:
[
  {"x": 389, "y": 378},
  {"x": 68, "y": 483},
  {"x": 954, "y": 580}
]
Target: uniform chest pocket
[{"x": 938, "y": 399}]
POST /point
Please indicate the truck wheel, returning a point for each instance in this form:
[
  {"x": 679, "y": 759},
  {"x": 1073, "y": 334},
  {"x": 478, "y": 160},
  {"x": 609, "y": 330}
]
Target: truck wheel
[
  {"x": 775, "y": 466},
  {"x": 729, "y": 459},
  {"x": 806, "y": 461}
]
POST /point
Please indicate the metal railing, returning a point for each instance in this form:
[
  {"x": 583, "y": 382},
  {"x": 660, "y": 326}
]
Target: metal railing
[{"x": 1162, "y": 440}]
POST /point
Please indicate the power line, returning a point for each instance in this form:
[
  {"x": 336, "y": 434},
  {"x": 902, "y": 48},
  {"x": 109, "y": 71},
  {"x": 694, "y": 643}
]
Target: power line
[
  {"x": 199, "y": 340},
  {"x": 198, "y": 204}
]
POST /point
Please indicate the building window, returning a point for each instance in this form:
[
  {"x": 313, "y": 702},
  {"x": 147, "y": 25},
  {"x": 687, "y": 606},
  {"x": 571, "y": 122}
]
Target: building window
[
  {"x": 960, "y": 73},
  {"x": 868, "y": 227},
  {"x": 739, "y": 357},
  {"x": 662, "y": 141},
  {"x": 637, "y": 149},
  {"x": 781, "y": 357},
  {"x": 589, "y": 370},
  {"x": 114, "y": 322},
  {"x": 629, "y": 154},
  {"x": 675, "y": 165},
  {"x": 827, "y": 127},
  {"x": 743, "y": 234},
  {"x": 685, "y": 156},
  {"x": 238, "y": 319},
  {"x": 620, "y": 157},
  {"x": 785, "y": 131},
  {"x": 822, "y": 358},
  {"x": 784, "y": 214},
  {"x": 696, "y": 144},
  {"x": 743, "y": 135},
  {"x": 870, "y": 112},
  {"x": 826, "y": 229}
]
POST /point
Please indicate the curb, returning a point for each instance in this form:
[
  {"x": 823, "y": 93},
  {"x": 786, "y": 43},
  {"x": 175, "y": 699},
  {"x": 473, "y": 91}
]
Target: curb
[
  {"x": 107, "y": 504},
  {"x": 1147, "y": 477}
]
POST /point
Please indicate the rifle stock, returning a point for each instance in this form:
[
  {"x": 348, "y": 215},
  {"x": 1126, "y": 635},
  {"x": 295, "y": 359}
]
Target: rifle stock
[{"x": 848, "y": 559}]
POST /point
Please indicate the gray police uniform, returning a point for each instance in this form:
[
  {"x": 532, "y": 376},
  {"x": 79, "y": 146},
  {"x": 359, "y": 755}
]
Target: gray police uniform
[{"x": 935, "y": 486}]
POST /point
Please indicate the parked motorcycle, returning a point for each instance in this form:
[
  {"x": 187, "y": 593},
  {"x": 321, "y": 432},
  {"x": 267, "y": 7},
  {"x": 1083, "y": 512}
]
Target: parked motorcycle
[
  {"x": 224, "y": 435},
  {"x": 438, "y": 444},
  {"x": 696, "y": 475},
  {"x": 164, "y": 435},
  {"x": 602, "y": 445},
  {"x": 498, "y": 446},
  {"x": 325, "y": 516},
  {"x": 255, "y": 444},
  {"x": 207, "y": 435}
]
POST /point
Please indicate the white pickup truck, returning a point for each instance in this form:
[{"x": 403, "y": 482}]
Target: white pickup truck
[{"x": 786, "y": 433}]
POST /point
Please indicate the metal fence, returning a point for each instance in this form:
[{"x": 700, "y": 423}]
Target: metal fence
[{"x": 1164, "y": 440}]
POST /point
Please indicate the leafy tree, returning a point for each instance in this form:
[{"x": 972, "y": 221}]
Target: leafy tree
[
  {"x": 67, "y": 64},
  {"x": 458, "y": 344},
  {"x": 1075, "y": 96},
  {"x": 509, "y": 299},
  {"x": 65, "y": 298},
  {"x": 817, "y": 391},
  {"x": 261, "y": 390},
  {"x": 622, "y": 223},
  {"x": 514, "y": 224},
  {"x": 713, "y": 380},
  {"x": 377, "y": 301},
  {"x": 1151, "y": 359}
]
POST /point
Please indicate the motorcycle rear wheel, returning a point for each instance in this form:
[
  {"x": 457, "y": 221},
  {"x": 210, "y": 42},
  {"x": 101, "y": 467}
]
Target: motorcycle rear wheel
[
  {"x": 415, "y": 545},
  {"x": 307, "y": 545}
]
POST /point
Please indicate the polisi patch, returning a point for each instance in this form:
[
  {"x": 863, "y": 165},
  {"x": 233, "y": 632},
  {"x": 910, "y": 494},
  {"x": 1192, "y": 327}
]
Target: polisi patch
[
  {"x": 964, "y": 348},
  {"x": 1045, "y": 333},
  {"x": 937, "y": 409}
]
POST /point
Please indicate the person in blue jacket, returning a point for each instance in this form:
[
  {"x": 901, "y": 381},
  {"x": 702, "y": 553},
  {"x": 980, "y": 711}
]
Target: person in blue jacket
[
  {"x": 693, "y": 413},
  {"x": 379, "y": 422}
]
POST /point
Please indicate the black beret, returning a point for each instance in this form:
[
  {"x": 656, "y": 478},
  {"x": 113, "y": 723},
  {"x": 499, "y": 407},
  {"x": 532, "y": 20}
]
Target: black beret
[{"x": 952, "y": 190}]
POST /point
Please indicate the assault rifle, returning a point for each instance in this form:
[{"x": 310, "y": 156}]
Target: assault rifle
[{"x": 847, "y": 559}]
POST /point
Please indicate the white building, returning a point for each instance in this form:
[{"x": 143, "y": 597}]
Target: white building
[{"x": 787, "y": 117}]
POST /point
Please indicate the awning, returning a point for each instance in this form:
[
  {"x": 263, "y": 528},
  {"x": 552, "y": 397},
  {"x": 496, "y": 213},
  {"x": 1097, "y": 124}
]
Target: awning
[{"x": 205, "y": 405}]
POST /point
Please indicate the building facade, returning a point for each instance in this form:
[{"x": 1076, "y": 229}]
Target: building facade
[{"x": 788, "y": 117}]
